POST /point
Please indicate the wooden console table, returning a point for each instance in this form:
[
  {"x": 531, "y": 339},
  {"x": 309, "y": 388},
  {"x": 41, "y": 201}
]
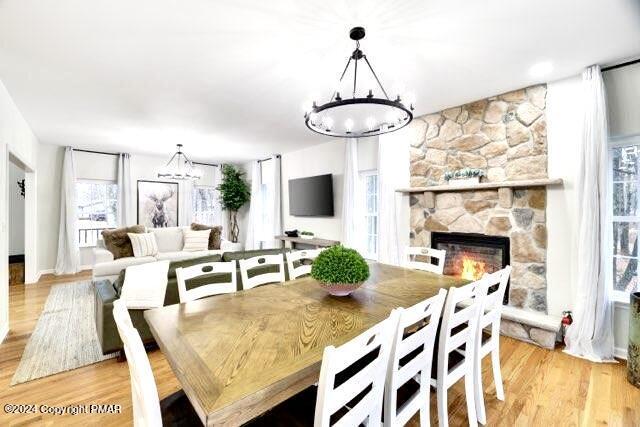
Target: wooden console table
[{"x": 315, "y": 242}]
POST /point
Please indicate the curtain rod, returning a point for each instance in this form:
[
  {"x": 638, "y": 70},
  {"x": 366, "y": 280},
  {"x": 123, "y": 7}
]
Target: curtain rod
[
  {"x": 96, "y": 152},
  {"x": 269, "y": 158},
  {"x": 624, "y": 64},
  {"x": 116, "y": 154}
]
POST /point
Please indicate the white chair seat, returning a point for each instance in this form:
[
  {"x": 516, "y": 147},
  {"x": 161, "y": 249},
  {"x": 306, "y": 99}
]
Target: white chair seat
[{"x": 410, "y": 261}]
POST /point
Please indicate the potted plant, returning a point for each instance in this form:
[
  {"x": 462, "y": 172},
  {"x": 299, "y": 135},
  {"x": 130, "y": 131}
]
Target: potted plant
[
  {"x": 234, "y": 193},
  {"x": 340, "y": 270},
  {"x": 306, "y": 235},
  {"x": 464, "y": 176}
]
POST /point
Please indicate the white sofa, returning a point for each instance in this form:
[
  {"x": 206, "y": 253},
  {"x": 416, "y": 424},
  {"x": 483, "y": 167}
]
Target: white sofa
[{"x": 170, "y": 243}]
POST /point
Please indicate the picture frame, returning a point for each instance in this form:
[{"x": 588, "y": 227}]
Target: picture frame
[{"x": 158, "y": 203}]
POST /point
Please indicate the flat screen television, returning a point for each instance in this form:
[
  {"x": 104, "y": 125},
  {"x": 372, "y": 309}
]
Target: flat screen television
[{"x": 311, "y": 196}]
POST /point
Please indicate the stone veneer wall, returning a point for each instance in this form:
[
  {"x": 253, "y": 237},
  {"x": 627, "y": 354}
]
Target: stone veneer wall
[{"x": 506, "y": 136}]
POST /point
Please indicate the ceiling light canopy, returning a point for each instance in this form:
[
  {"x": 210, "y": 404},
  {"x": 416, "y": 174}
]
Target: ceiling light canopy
[
  {"x": 179, "y": 167},
  {"x": 371, "y": 113}
]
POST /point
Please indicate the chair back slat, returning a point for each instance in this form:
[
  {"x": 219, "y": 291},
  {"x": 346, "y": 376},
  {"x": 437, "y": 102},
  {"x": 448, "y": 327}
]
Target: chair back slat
[
  {"x": 187, "y": 273},
  {"x": 298, "y": 256},
  {"x": 415, "y": 336},
  {"x": 144, "y": 394},
  {"x": 414, "y": 251},
  {"x": 374, "y": 346},
  {"x": 265, "y": 278}
]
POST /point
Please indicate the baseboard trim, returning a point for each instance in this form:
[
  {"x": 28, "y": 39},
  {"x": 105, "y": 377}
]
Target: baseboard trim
[
  {"x": 3, "y": 333},
  {"x": 620, "y": 353}
]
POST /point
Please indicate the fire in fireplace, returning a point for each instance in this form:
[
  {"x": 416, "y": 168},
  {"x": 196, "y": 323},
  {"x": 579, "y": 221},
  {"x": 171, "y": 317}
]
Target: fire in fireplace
[{"x": 470, "y": 256}]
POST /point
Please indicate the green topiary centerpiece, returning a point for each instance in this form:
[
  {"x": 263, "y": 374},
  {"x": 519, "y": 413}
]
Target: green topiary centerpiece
[{"x": 340, "y": 270}]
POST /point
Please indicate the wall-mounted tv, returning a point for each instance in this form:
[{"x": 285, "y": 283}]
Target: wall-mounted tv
[{"x": 311, "y": 196}]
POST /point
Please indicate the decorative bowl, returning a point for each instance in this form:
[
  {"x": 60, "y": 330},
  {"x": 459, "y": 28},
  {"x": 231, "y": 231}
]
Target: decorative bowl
[
  {"x": 340, "y": 289},
  {"x": 307, "y": 236}
]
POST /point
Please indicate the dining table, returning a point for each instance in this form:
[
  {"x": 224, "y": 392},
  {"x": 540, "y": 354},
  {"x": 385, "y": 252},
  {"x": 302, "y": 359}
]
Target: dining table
[{"x": 238, "y": 355}]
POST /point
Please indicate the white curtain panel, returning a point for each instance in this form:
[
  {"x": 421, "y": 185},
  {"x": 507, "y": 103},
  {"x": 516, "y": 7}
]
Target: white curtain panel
[
  {"x": 68, "y": 261},
  {"x": 276, "y": 203},
  {"x": 591, "y": 334},
  {"x": 126, "y": 203},
  {"x": 393, "y": 173},
  {"x": 353, "y": 232},
  {"x": 254, "y": 227},
  {"x": 218, "y": 218},
  {"x": 185, "y": 213}
]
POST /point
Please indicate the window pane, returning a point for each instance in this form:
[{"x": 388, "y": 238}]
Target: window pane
[
  {"x": 625, "y": 163},
  {"x": 625, "y": 238},
  {"x": 625, "y": 199},
  {"x": 96, "y": 209},
  {"x": 204, "y": 201},
  {"x": 625, "y": 274}
]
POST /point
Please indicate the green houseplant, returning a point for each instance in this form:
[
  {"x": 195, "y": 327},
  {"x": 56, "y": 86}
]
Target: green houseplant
[
  {"x": 234, "y": 193},
  {"x": 340, "y": 270}
]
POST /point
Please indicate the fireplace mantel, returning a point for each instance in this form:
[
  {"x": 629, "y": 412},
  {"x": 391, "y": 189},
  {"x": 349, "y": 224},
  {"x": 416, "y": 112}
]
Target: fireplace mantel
[{"x": 546, "y": 182}]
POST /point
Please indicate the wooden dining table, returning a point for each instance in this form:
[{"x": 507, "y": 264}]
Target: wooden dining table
[{"x": 238, "y": 355}]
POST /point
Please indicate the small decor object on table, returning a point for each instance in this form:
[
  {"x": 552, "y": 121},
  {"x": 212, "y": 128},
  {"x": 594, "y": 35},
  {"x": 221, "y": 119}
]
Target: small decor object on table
[
  {"x": 633, "y": 353},
  {"x": 340, "y": 270},
  {"x": 466, "y": 176},
  {"x": 306, "y": 235}
]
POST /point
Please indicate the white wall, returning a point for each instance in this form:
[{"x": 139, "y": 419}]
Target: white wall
[
  {"x": 15, "y": 137},
  {"x": 88, "y": 166},
  {"x": 16, "y": 211},
  {"x": 319, "y": 160},
  {"x": 623, "y": 100}
]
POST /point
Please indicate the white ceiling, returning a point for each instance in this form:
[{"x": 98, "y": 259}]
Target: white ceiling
[{"x": 228, "y": 78}]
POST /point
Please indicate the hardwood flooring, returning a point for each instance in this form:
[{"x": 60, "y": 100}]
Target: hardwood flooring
[
  {"x": 542, "y": 387},
  {"x": 16, "y": 273}
]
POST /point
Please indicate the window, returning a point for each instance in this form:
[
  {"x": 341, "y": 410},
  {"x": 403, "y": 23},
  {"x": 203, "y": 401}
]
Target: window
[
  {"x": 267, "y": 197},
  {"x": 97, "y": 207},
  {"x": 369, "y": 185},
  {"x": 625, "y": 181},
  {"x": 204, "y": 205}
]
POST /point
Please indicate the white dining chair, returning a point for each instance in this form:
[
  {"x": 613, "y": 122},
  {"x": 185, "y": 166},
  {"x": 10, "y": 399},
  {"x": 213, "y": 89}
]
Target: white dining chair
[
  {"x": 415, "y": 336},
  {"x": 147, "y": 408},
  {"x": 371, "y": 349},
  {"x": 490, "y": 317},
  {"x": 184, "y": 274},
  {"x": 264, "y": 278},
  {"x": 458, "y": 329},
  {"x": 412, "y": 252},
  {"x": 299, "y": 256}
]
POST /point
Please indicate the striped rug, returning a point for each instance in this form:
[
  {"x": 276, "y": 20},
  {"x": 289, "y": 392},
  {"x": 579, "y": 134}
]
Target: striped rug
[{"x": 64, "y": 337}]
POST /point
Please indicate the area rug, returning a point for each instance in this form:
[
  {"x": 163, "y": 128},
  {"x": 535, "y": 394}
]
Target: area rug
[{"x": 64, "y": 337}]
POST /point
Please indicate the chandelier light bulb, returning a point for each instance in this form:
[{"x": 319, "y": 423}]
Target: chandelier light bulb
[
  {"x": 313, "y": 118},
  {"x": 327, "y": 122},
  {"x": 371, "y": 123},
  {"x": 348, "y": 125}
]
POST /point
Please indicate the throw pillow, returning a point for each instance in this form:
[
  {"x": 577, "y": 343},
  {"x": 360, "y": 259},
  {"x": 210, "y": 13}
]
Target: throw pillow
[
  {"x": 196, "y": 240},
  {"x": 214, "y": 237},
  {"x": 117, "y": 241},
  {"x": 144, "y": 244}
]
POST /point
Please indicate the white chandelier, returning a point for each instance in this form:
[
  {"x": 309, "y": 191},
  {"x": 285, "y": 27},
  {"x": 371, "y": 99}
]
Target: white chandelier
[
  {"x": 361, "y": 114},
  {"x": 180, "y": 168}
]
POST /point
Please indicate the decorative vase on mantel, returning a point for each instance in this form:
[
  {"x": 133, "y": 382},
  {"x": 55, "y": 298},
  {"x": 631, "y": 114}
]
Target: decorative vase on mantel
[{"x": 633, "y": 352}]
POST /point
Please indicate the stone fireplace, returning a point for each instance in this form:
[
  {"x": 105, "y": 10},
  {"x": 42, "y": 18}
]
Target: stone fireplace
[
  {"x": 506, "y": 137},
  {"x": 470, "y": 256}
]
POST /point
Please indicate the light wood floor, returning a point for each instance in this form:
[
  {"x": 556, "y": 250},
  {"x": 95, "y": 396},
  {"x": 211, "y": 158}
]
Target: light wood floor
[{"x": 543, "y": 388}]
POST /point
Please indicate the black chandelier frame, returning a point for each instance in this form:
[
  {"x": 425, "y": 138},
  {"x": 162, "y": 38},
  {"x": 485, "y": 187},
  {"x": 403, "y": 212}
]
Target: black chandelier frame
[{"x": 357, "y": 34}]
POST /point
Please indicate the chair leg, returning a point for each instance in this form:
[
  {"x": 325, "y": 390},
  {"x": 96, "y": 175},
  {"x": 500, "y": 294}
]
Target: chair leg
[
  {"x": 497, "y": 374},
  {"x": 425, "y": 420},
  {"x": 471, "y": 404},
  {"x": 443, "y": 416},
  {"x": 477, "y": 382}
]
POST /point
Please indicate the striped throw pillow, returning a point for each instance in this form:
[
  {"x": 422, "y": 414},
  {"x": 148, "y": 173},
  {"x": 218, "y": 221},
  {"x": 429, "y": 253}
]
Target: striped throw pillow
[
  {"x": 143, "y": 244},
  {"x": 196, "y": 240}
]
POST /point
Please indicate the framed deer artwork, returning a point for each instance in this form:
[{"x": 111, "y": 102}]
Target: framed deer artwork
[{"x": 157, "y": 204}]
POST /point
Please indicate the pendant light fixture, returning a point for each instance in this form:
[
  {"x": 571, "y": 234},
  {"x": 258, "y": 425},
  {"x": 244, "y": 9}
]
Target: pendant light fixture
[
  {"x": 180, "y": 168},
  {"x": 368, "y": 113}
]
